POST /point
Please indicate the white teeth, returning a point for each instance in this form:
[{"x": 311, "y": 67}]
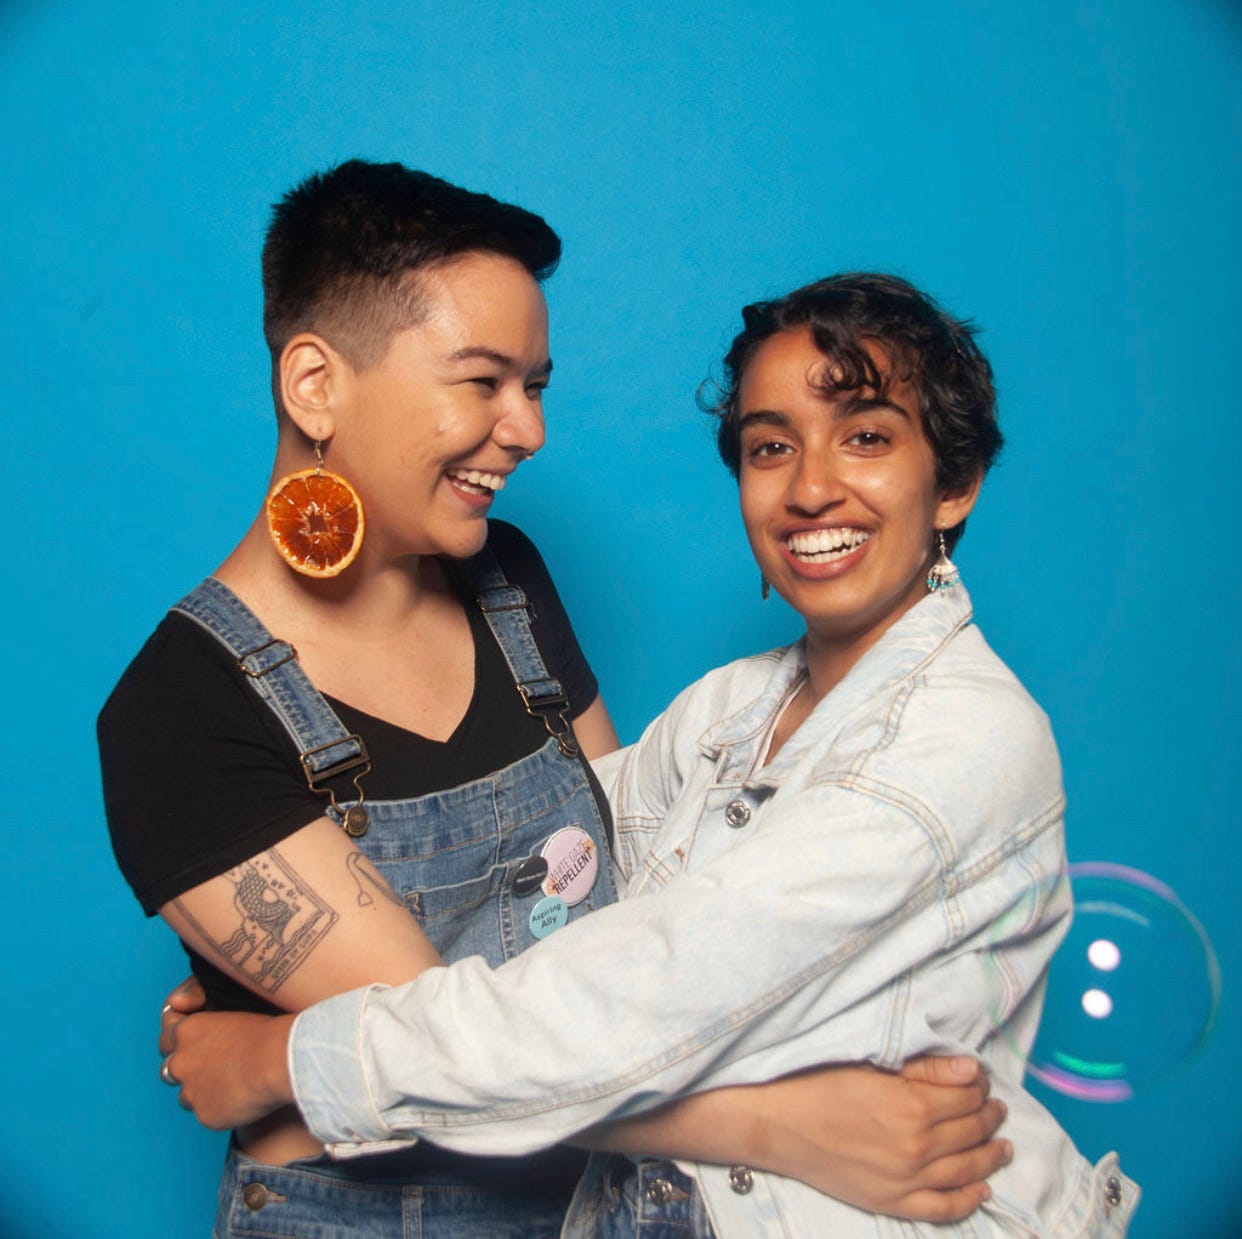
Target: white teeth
[
  {"x": 819, "y": 546},
  {"x": 478, "y": 480}
]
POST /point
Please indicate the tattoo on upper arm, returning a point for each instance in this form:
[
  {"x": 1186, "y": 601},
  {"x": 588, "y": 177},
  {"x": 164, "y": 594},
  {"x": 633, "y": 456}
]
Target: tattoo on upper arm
[
  {"x": 275, "y": 922},
  {"x": 368, "y": 878}
]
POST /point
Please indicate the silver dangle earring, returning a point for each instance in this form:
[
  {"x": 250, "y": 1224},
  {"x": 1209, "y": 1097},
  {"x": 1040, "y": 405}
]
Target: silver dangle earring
[
  {"x": 942, "y": 574},
  {"x": 765, "y": 587}
]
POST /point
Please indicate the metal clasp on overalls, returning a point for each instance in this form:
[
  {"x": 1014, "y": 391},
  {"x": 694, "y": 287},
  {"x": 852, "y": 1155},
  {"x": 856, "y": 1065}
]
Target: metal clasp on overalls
[
  {"x": 252, "y": 665},
  {"x": 552, "y": 707},
  {"x": 354, "y": 820}
]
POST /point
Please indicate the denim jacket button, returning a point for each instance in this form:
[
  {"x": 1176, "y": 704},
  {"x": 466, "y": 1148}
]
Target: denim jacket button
[
  {"x": 1112, "y": 1191},
  {"x": 659, "y": 1192},
  {"x": 737, "y": 813},
  {"x": 254, "y": 1196},
  {"x": 741, "y": 1179}
]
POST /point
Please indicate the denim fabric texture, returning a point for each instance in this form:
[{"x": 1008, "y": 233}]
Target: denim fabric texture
[
  {"x": 650, "y": 1199},
  {"x": 273, "y": 672},
  {"x": 315, "y": 1199},
  {"x": 892, "y": 883},
  {"x": 452, "y": 857}
]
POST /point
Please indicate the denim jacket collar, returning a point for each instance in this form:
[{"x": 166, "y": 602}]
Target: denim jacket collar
[{"x": 900, "y": 653}]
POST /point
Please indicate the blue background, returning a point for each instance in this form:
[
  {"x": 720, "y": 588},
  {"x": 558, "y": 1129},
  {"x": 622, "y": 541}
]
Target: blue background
[{"x": 1067, "y": 174}]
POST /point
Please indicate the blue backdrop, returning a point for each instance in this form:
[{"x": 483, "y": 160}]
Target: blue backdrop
[{"x": 1068, "y": 174}]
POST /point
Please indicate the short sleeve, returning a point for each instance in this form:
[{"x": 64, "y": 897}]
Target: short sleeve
[{"x": 197, "y": 773}]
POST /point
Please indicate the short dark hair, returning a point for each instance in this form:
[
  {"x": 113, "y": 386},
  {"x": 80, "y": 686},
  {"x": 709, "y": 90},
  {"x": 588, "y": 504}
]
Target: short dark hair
[
  {"x": 924, "y": 346},
  {"x": 343, "y": 243}
]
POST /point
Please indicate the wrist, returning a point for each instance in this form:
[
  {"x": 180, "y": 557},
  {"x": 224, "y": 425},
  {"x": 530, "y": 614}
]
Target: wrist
[
  {"x": 275, "y": 1080},
  {"x": 764, "y": 1144},
  {"x": 789, "y": 1134}
]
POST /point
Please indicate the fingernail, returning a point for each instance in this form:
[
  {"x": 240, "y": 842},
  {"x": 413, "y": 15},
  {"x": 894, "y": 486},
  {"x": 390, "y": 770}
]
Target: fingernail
[
  {"x": 987, "y": 1192},
  {"x": 166, "y": 1008},
  {"x": 1008, "y": 1153},
  {"x": 963, "y": 1065},
  {"x": 1004, "y": 1109}
]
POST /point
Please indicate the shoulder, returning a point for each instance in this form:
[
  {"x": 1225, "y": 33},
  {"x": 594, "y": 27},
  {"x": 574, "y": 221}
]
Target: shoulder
[
  {"x": 678, "y": 749},
  {"x": 734, "y": 685},
  {"x": 963, "y": 743},
  {"x": 951, "y": 693},
  {"x": 197, "y": 772},
  {"x": 180, "y": 665},
  {"x": 737, "y": 695},
  {"x": 979, "y": 700},
  {"x": 183, "y": 708},
  {"x": 523, "y": 566},
  {"x": 182, "y": 702}
]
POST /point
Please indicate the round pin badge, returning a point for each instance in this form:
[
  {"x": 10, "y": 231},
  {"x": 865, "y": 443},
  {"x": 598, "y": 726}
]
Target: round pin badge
[
  {"x": 573, "y": 864},
  {"x": 548, "y": 915},
  {"x": 529, "y": 875}
]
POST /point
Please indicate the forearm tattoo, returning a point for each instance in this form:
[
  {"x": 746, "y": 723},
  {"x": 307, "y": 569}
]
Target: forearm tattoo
[
  {"x": 369, "y": 879},
  {"x": 276, "y": 921}
]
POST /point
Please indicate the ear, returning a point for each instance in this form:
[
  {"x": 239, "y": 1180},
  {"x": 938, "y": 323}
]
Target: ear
[
  {"x": 312, "y": 376},
  {"x": 955, "y": 505}
]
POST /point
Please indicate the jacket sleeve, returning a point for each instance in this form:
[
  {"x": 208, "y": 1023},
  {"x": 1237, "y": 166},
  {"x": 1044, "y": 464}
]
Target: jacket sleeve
[{"x": 805, "y": 943}]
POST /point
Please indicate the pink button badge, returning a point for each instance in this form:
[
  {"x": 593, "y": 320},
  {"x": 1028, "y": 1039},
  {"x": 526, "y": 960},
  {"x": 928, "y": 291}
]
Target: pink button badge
[{"x": 573, "y": 865}]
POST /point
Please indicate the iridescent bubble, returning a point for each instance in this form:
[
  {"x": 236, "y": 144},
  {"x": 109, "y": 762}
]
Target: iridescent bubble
[
  {"x": 1132, "y": 992},
  {"x": 1097, "y": 1004},
  {"x": 1104, "y": 955}
]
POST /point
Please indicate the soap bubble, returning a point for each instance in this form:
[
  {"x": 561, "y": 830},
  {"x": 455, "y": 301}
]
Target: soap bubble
[{"x": 1132, "y": 992}]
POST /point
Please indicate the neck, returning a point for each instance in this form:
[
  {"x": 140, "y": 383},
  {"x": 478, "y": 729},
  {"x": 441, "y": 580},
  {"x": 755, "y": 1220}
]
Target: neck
[
  {"x": 829, "y": 662},
  {"x": 381, "y": 597},
  {"x": 826, "y": 667},
  {"x": 830, "y": 656}
]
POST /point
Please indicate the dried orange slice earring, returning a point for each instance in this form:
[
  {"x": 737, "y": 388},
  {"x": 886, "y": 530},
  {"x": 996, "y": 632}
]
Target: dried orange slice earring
[{"x": 315, "y": 520}]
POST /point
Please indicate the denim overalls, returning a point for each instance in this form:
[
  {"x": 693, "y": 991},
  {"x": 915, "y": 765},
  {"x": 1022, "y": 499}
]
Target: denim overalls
[{"x": 453, "y": 856}]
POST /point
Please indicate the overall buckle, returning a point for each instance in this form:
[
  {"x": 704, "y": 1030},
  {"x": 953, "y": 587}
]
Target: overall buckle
[
  {"x": 544, "y": 700},
  {"x": 355, "y": 820}
]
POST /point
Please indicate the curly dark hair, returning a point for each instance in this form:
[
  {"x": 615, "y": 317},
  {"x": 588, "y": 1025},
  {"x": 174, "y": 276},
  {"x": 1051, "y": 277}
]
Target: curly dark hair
[
  {"x": 343, "y": 245},
  {"x": 922, "y": 345}
]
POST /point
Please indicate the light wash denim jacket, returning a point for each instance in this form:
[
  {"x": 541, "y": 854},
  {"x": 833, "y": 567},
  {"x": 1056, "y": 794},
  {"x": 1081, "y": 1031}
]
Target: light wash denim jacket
[{"x": 892, "y": 883}]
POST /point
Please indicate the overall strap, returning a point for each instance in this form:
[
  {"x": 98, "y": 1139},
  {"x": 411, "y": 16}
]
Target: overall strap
[
  {"x": 325, "y": 748},
  {"x": 506, "y": 609}
]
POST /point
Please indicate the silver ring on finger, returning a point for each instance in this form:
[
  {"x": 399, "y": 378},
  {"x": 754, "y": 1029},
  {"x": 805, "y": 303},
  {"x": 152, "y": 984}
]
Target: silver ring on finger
[{"x": 167, "y": 1076}]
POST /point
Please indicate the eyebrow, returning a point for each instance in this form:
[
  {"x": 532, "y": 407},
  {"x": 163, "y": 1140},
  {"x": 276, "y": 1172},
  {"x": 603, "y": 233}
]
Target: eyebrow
[
  {"x": 481, "y": 352},
  {"x": 762, "y": 417},
  {"x": 863, "y": 404},
  {"x": 841, "y": 411}
]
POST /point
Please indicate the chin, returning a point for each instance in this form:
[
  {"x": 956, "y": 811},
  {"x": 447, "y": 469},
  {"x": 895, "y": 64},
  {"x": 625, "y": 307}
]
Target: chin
[{"x": 467, "y": 543}]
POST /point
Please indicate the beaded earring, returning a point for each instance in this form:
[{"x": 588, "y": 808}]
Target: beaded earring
[{"x": 943, "y": 574}]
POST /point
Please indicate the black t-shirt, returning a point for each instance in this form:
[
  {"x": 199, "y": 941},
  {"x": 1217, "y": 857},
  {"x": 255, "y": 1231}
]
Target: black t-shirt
[{"x": 199, "y": 774}]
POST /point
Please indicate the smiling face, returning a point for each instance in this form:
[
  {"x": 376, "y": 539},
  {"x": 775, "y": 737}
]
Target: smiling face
[
  {"x": 838, "y": 494},
  {"x": 428, "y": 434}
]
